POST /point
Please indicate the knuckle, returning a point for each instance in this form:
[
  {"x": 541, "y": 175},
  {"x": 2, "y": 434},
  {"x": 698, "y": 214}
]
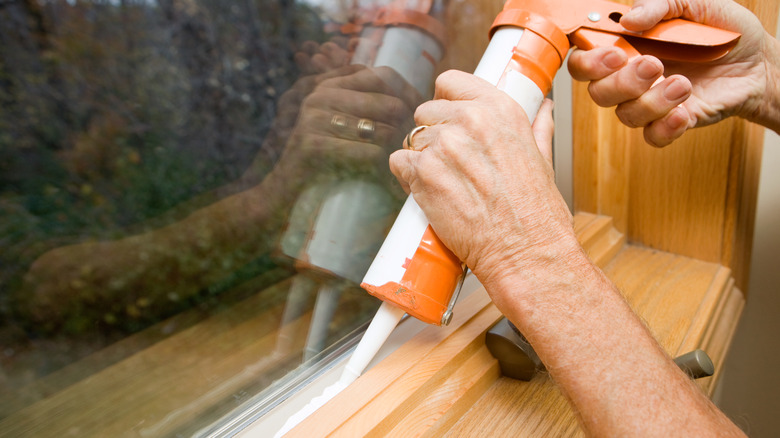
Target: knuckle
[
  {"x": 627, "y": 88},
  {"x": 420, "y": 111},
  {"x": 444, "y": 80},
  {"x": 474, "y": 119},
  {"x": 627, "y": 117},
  {"x": 314, "y": 99},
  {"x": 596, "y": 91},
  {"x": 445, "y": 141},
  {"x": 425, "y": 171}
]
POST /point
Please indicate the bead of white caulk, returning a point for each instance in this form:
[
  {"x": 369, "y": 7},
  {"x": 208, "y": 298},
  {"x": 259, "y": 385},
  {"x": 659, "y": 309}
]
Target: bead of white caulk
[{"x": 383, "y": 324}]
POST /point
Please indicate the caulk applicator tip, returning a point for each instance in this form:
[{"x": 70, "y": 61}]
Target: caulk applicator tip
[{"x": 385, "y": 320}]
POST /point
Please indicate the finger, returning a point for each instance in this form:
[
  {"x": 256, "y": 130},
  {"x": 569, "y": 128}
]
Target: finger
[
  {"x": 365, "y": 79},
  {"x": 458, "y": 85},
  {"x": 401, "y": 88},
  {"x": 645, "y": 14},
  {"x": 347, "y": 127},
  {"x": 656, "y": 103},
  {"x": 337, "y": 55},
  {"x": 330, "y": 56},
  {"x": 628, "y": 83},
  {"x": 421, "y": 138},
  {"x": 667, "y": 129},
  {"x": 347, "y": 70},
  {"x": 320, "y": 64},
  {"x": 543, "y": 129},
  {"x": 590, "y": 65},
  {"x": 402, "y": 166},
  {"x": 310, "y": 47},
  {"x": 329, "y": 154},
  {"x": 374, "y": 106},
  {"x": 434, "y": 112},
  {"x": 341, "y": 41},
  {"x": 303, "y": 62}
]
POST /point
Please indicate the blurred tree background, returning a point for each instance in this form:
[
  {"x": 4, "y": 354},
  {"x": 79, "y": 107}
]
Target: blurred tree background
[{"x": 112, "y": 112}]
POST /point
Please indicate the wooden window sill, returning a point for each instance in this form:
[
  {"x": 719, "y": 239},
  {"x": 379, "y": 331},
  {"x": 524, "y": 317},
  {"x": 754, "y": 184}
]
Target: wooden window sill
[{"x": 444, "y": 382}]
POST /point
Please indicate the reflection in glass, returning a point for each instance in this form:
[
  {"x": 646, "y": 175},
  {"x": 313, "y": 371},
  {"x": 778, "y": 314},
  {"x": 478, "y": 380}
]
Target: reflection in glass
[{"x": 191, "y": 192}]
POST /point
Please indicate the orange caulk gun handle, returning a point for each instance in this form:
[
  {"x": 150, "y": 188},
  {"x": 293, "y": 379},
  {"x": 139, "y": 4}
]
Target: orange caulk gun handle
[{"x": 589, "y": 23}]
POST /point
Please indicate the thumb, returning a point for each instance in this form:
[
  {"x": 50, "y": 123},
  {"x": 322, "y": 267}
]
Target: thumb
[
  {"x": 543, "y": 129},
  {"x": 646, "y": 14}
]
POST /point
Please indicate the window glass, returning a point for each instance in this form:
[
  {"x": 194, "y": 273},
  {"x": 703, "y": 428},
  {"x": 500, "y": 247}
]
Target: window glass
[{"x": 190, "y": 194}]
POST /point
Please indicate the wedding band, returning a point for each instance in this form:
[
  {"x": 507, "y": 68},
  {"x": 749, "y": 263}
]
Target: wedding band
[
  {"x": 408, "y": 141},
  {"x": 365, "y": 129},
  {"x": 338, "y": 121}
]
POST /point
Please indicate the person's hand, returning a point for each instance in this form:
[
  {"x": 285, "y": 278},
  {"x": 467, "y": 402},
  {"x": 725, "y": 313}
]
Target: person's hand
[
  {"x": 484, "y": 177},
  {"x": 316, "y": 63},
  {"x": 693, "y": 94},
  {"x": 350, "y": 123},
  {"x": 314, "y": 59}
]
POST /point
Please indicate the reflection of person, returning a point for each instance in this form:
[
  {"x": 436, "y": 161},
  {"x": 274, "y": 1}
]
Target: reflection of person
[
  {"x": 497, "y": 208},
  {"x": 340, "y": 120}
]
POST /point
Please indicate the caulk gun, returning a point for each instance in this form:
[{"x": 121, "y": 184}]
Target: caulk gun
[{"x": 413, "y": 271}]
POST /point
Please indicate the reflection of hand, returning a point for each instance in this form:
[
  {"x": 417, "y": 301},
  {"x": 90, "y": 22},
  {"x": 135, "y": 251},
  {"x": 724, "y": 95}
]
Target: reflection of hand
[
  {"x": 315, "y": 59},
  {"x": 693, "y": 94},
  {"x": 327, "y": 137},
  {"x": 482, "y": 180}
]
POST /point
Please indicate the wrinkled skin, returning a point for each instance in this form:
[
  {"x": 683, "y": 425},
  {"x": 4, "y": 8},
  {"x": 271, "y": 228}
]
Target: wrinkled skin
[
  {"x": 692, "y": 94},
  {"x": 484, "y": 177}
]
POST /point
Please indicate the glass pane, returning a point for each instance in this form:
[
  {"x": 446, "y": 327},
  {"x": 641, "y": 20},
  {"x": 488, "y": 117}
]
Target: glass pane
[{"x": 191, "y": 192}]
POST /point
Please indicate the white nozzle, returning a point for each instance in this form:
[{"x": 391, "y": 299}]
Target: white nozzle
[{"x": 378, "y": 331}]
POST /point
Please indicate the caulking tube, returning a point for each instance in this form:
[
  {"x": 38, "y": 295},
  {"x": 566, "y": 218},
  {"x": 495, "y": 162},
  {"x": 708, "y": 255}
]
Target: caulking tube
[{"x": 413, "y": 269}]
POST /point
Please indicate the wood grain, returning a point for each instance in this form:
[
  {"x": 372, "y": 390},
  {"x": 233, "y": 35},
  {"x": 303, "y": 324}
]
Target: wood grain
[
  {"x": 696, "y": 197},
  {"x": 443, "y": 384}
]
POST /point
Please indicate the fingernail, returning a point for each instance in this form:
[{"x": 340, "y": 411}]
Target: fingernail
[
  {"x": 648, "y": 69},
  {"x": 676, "y": 90},
  {"x": 614, "y": 59}
]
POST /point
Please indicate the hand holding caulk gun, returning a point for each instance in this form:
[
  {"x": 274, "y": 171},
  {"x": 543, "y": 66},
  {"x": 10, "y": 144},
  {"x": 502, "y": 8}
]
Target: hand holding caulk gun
[
  {"x": 693, "y": 94},
  {"x": 482, "y": 176}
]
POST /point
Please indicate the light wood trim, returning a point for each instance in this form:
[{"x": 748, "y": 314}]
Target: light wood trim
[
  {"x": 696, "y": 197},
  {"x": 425, "y": 387}
]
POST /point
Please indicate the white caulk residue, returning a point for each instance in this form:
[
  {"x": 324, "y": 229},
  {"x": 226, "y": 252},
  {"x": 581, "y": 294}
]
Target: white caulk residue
[{"x": 379, "y": 330}]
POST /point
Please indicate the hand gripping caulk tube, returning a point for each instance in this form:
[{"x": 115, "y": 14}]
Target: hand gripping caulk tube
[
  {"x": 413, "y": 269},
  {"x": 530, "y": 39}
]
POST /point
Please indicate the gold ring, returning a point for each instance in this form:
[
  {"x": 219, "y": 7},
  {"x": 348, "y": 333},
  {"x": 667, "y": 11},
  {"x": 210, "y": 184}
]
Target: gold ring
[
  {"x": 338, "y": 121},
  {"x": 365, "y": 129},
  {"x": 408, "y": 141}
]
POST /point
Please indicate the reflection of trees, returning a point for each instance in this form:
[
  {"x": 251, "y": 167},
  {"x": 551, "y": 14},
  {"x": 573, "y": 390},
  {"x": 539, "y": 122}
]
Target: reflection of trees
[{"x": 112, "y": 112}]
